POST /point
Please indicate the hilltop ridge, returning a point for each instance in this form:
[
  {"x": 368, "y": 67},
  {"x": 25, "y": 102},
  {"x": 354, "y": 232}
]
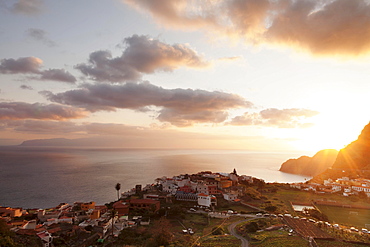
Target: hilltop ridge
[
  {"x": 356, "y": 155},
  {"x": 310, "y": 166}
]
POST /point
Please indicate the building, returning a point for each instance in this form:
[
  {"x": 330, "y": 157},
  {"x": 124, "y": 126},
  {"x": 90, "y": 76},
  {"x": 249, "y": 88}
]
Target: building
[
  {"x": 46, "y": 238},
  {"x": 10, "y": 212},
  {"x": 122, "y": 208},
  {"x": 202, "y": 188},
  {"x": 225, "y": 183},
  {"x": 206, "y": 200},
  {"x": 169, "y": 186},
  {"x": 145, "y": 204},
  {"x": 44, "y": 215},
  {"x": 230, "y": 196},
  {"x": 88, "y": 205},
  {"x": 187, "y": 197}
]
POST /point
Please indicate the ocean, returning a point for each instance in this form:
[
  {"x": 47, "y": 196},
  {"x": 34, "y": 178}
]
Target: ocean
[{"x": 38, "y": 177}]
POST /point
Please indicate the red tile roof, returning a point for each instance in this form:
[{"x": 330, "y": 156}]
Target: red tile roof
[{"x": 146, "y": 201}]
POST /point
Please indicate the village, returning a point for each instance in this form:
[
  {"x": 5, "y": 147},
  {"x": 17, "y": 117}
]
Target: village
[
  {"x": 343, "y": 185},
  {"x": 78, "y": 221},
  {"x": 207, "y": 193}
]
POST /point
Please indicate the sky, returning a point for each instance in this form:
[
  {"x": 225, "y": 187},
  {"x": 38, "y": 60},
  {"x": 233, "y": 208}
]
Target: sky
[{"x": 264, "y": 75}]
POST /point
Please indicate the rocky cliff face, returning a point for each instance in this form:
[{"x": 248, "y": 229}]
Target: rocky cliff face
[
  {"x": 355, "y": 156},
  {"x": 310, "y": 166}
]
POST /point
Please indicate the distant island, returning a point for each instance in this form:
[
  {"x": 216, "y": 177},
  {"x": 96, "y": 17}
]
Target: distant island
[
  {"x": 310, "y": 166},
  {"x": 51, "y": 142}
]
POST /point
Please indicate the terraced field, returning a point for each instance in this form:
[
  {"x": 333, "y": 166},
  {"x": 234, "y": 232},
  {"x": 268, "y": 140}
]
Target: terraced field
[{"x": 306, "y": 229}]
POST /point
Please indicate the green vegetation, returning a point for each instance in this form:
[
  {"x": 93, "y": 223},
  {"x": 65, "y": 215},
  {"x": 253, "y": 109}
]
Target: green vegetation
[
  {"x": 290, "y": 241},
  {"x": 268, "y": 238},
  {"x": 246, "y": 229},
  {"x": 346, "y": 216},
  {"x": 220, "y": 241},
  {"x": 317, "y": 214},
  {"x": 328, "y": 243}
]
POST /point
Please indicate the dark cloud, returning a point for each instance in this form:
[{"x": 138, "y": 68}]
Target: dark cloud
[
  {"x": 28, "y": 7},
  {"x": 180, "y": 107},
  {"x": 23, "y": 65},
  {"x": 57, "y": 75},
  {"x": 328, "y": 27},
  {"x": 31, "y": 65},
  {"x": 286, "y": 118},
  {"x": 26, "y": 87},
  {"x": 21, "y": 110},
  {"x": 40, "y": 35},
  {"x": 142, "y": 55}
]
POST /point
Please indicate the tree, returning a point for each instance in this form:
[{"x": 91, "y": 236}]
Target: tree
[
  {"x": 251, "y": 227},
  {"x": 271, "y": 208},
  {"x": 118, "y": 187},
  {"x": 217, "y": 231}
]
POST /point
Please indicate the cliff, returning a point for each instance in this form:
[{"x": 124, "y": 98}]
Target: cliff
[
  {"x": 310, "y": 166},
  {"x": 355, "y": 156}
]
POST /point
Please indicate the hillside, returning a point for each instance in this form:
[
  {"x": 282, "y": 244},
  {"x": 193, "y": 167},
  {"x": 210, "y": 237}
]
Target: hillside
[
  {"x": 310, "y": 166},
  {"x": 352, "y": 161},
  {"x": 355, "y": 156}
]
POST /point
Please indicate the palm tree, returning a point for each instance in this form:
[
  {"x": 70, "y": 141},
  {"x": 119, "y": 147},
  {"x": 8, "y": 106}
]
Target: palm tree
[{"x": 118, "y": 187}]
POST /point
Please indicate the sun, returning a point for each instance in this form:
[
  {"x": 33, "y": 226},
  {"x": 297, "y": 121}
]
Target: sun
[{"x": 328, "y": 134}]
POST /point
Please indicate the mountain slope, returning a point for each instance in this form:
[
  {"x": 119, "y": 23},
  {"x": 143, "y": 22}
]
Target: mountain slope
[
  {"x": 310, "y": 166},
  {"x": 355, "y": 156}
]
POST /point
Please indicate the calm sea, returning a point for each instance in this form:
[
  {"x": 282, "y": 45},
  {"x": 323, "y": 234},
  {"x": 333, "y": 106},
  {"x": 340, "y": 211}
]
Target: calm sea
[{"x": 34, "y": 177}]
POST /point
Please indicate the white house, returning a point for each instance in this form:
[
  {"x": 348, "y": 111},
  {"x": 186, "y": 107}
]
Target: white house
[
  {"x": 206, "y": 200},
  {"x": 202, "y": 188},
  {"x": 46, "y": 238},
  {"x": 182, "y": 182},
  {"x": 362, "y": 188},
  {"x": 170, "y": 186},
  {"x": 230, "y": 196}
]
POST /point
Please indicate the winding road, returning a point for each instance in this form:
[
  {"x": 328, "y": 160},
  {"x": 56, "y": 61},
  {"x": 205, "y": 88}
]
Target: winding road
[{"x": 232, "y": 231}]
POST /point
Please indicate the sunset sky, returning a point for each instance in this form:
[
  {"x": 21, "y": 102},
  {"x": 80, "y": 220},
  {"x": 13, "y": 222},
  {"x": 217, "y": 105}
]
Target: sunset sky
[{"x": 276, "y": 75}]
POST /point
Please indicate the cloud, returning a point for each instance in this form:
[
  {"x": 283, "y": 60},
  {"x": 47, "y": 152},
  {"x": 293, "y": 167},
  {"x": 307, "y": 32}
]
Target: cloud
[
  {"x": 234, "y": 58},
  {"x": 286, "y": 118},
  {"x": 41, "y": 126},
  {"x": 57, "y": 75},
  {"x": 180, "y": 107},
  {"x": 23, "y": 65},
  {"x": 40, "y": 35},
  {"x": 142, "y": 55},
  {"x": 28, "y": 7},
  {"x": 31, "y": 65},
  {"x": 26, "y": 87},
  {"x": 327, "y": 27},
  {"x": 21, "y": 110},
  {"x": 181, "y": 13}
]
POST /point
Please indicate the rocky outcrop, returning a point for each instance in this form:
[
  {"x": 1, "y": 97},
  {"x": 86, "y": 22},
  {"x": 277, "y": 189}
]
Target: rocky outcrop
[{"x": 310, "y": 166}]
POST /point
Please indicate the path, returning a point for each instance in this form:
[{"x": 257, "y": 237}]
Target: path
[{"x": 232, "y": 231}]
